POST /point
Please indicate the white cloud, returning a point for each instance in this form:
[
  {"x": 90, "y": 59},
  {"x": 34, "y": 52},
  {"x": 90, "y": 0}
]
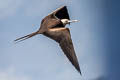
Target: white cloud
[{"x": 10, "y": 74}]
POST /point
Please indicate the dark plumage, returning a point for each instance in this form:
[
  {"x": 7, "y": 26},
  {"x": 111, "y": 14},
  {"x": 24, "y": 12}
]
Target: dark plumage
[{"x": 53, "y": 26}]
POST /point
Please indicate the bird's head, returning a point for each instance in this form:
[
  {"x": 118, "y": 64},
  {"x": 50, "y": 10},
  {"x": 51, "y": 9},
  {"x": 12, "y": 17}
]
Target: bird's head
[{"x": 67, "y": 21}]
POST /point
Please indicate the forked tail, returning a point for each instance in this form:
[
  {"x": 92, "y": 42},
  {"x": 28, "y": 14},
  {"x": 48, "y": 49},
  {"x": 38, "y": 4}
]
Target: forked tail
[{"x": 26, "y": 37}]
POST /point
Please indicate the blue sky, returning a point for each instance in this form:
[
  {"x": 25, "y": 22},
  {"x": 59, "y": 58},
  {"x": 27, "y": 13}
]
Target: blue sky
[{"x": 41, "y": 58}]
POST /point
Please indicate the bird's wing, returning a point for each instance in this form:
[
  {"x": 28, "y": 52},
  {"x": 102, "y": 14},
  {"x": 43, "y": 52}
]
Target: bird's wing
[
  {"x": 60, "y": 13},
  {"x": 54, "y": 18},
  {"x": 63, "y": 37}
]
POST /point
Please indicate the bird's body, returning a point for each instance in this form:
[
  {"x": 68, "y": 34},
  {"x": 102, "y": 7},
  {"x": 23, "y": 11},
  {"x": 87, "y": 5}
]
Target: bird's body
[{"x": 53, "y": 26}]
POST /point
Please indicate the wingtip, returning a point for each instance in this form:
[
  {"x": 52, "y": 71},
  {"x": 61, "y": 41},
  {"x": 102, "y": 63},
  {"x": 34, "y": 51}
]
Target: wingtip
[{"x": 80, "y": 73}]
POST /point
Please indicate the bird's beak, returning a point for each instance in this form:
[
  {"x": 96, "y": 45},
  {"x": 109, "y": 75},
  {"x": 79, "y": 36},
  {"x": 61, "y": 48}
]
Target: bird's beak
[{"x": 71, "y": 21}]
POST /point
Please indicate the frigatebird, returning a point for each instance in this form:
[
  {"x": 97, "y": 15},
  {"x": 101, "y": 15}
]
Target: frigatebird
[{"x": 53, "y": 26}]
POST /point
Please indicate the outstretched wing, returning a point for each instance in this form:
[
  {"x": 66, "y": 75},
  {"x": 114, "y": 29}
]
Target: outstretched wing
[
  {"x": 54, "y": 19},
  {"x": 58, "y": 14},
  {"x": 67, "y": 47},
  {"x": 63, "y": 37},
  {"x": 61, "y": 13}
]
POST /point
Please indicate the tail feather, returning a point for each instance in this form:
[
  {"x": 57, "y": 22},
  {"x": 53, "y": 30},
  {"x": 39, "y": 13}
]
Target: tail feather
[{"x": 26, "y": 37}]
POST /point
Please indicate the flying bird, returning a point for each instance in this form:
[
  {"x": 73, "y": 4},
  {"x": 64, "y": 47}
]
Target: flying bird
[{"x": 53, "y": 26}]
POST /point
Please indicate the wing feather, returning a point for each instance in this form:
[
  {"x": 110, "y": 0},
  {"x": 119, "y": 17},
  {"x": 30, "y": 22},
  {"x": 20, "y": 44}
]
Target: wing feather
[
  {"x": 68, "y": 49},
  {"x": 63, "y": 37}
]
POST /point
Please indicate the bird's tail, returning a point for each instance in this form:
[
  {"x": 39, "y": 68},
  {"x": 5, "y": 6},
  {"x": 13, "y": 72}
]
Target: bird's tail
[{"x": 26, "y": 37}]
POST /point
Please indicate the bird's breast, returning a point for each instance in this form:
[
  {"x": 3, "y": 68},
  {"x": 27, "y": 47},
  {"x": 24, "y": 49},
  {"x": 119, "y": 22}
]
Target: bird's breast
[{"x": 54, "y": 34}]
